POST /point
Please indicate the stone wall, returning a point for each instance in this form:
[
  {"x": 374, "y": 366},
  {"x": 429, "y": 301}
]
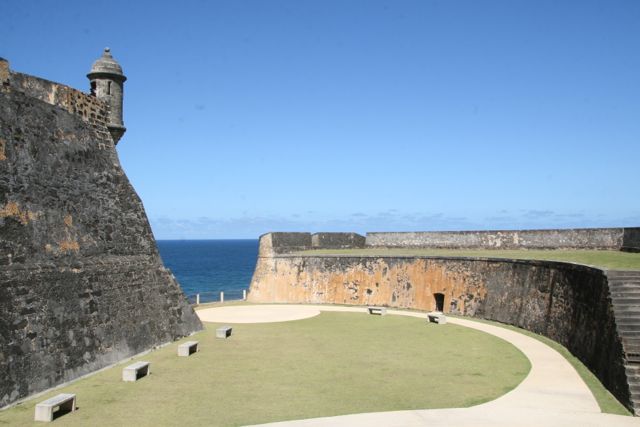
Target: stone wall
[
  {"x": 4, "y": 72},
  {"x": 337, "y": 241},
  {"x": 568, "y": 303},
  {"x": 279, "y": 243},
  {"x": 81, "y": 281},
  {"x": 631, "y": 239},
  {"x": 584, "y": 238},
  {"x": 87, "y": 107},
  {"x": 282, "y": 243}
]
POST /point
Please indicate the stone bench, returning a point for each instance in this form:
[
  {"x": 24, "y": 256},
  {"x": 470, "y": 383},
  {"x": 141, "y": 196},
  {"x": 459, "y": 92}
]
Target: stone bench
[
  {"x": 437, "y": 317},
  {"x": 62, "y": 402},
  {"x": 223, "y": 332},
  {"x": 136, "y": 371},
  {"x": 188, "y": 348},
  {"x": 377, "y": 310}
]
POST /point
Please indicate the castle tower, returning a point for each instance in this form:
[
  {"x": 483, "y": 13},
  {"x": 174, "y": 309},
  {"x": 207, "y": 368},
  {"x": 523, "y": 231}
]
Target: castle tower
[{"x": 107, "y": 83}]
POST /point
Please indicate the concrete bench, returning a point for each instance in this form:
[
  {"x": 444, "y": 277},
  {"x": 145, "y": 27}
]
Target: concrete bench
[
  {"x": 63, "y": 402},
  {"x": 136, "y": 371},
  {"x": 437, "y": 317},
  {"x": 377, "y": 310},
  {"x": 223, "y": 332},
  {"x": 188, "y": 348}
]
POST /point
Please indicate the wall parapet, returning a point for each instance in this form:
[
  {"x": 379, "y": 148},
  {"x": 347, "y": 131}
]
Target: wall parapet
[
  {"x": 578, "y": 238},
  {"x": 89, "y": 108},
  {"x": 620, "y": 239},
  {"x": 287, "y": 242}
]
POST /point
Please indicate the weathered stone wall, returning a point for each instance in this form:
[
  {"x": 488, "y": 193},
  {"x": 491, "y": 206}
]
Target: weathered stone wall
[
  {"x": 631, "y": 239},
  {"x": 283, "y": 243},
  {"x": 337, "y": 241},
  {"x": 85, "y": 106},
  {"x": 566, "y": 302},
  {"x": 4, "y": 72},
  {"x": 279, "y": 243},
  {"x": 81, "y": 282},
  {"x": 583, "y": 238}
]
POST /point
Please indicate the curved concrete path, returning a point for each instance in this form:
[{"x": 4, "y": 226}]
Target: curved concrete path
[
  {"x": 553, "y": 394},
  {"x": 257, "y": 313}
]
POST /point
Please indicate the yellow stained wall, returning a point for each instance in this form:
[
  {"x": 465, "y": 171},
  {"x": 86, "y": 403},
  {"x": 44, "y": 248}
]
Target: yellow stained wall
[{"x": 403, "y": 283}]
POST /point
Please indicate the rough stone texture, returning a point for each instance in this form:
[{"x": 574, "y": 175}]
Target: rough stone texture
[
  {"x": 584, "y": 238},
  {"x": 89, "y": 108},
  {"x": 281, "y": 243},
  {"x": 631, "y": 239},
  {"x": 81, "y": 283},
  {"x": 337, "y": 241},
  {"x": 568, "y": 303},
  {"x": 107, "y": 85},
  {"x": 4, "y": 72}
]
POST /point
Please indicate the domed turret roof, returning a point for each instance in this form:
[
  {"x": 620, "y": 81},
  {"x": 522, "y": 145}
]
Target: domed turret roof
[{"x": 106, "y": 65}]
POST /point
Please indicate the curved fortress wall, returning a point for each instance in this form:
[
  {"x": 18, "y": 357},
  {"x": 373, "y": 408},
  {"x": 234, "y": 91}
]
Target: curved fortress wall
[
  {"x": 626, "y": 239},
  {"x": 565, "y": 302},
  {"x": 82, "y": 285}
]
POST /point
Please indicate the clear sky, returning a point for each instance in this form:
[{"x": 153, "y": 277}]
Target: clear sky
[{"x": 245, "y": 117}]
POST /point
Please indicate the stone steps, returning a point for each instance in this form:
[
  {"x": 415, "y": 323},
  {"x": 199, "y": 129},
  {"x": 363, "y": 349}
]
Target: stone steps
[
  {"x": 618, "y": 283},
  {"x": 628, "y": 309},
  {"x": 624, "y": 291},
  {"x": 632, "y": 370},
  {"x": 624, "y": 288},
  {"x": 632, "y": 281},
  {"x": 628, "y": 326},
  {"x": 617, "y": 294},
  {"x": 616, "y": 274},
  {"x": 626, "y": 301},
  {"x": 630, "y": 333},
  {"x": 631, "y": 346},
  {"x": 627, "y": 320}
]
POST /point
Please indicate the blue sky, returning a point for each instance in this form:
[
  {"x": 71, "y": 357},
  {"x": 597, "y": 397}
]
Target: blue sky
[{"x": 251, "y": 116}]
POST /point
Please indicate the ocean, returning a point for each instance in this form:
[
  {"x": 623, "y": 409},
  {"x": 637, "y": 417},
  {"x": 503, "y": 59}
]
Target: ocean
[{"x": 207, "y": 267}]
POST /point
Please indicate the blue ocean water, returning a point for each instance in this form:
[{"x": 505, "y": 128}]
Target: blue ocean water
[{"x": 210, "y": 266}]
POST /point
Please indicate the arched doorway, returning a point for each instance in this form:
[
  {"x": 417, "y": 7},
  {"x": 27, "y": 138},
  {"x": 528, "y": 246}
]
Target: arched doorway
[{"x": 439, "y": 301}]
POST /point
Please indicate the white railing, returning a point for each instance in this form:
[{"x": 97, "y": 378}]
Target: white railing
[{"x": 214, "y": 296}]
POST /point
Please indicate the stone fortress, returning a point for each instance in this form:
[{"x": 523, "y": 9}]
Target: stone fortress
[
  {"x": 594, "y": 313},
  {"x": 82, "y": 285}
]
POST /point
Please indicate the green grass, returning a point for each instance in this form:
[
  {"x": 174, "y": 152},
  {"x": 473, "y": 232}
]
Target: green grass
[
  {"x": 607, "y": 402},
  {"x": 614, "y": 260},
  {"x": 332, "y": 364}
]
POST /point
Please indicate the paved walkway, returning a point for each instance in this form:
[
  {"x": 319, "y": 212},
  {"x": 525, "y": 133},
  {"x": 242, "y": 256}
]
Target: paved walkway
[
  {"x": 553, "y": 394},
  {"x": 257, "y": 313}
]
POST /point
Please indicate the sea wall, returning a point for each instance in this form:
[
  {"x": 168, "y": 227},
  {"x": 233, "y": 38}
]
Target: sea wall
[
  {"x": 568, "y": 303},
  {"x": 81, "y": 282},
  {"x": 581, "y": 238}
]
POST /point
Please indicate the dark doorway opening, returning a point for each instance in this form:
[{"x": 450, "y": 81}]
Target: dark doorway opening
[{"x": 439, "y": 301}]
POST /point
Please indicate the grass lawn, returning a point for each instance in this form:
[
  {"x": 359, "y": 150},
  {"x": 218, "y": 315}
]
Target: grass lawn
[
  {"x": 332, "y": 364},
  {"x": 614, "y": 260}
]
